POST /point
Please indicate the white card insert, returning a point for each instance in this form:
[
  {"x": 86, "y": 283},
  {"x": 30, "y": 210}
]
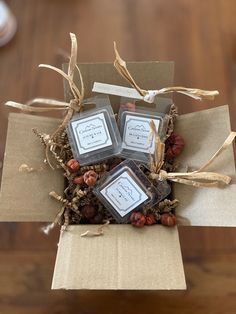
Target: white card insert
[
  {"x": 124, "y": 194},
  {"x": 91, "y": 133}
]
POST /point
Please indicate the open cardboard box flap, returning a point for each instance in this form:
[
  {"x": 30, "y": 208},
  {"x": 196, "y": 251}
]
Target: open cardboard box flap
[
  {"x": 24, "y": 196},
  {"x": 124, "y": 258},
  {"x": 118, "y": 260},
  {"x": 204, "y": 132}
]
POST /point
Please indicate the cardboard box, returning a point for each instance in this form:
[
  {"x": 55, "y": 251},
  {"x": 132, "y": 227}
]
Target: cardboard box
[{"x": 125, "y": 257}]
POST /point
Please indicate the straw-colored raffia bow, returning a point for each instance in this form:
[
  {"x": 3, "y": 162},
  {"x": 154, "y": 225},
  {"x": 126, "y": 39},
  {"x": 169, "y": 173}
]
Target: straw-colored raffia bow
[
  {"x": 149, "y": 95},
  {"x": 51, "y": 104},
  {"x": 197, "y": 178}
]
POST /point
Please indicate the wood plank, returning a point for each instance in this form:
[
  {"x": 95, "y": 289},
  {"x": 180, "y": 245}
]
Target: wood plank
[{"x": 211, "y": 281}]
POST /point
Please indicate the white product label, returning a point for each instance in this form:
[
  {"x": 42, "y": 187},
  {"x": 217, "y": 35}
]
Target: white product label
[
  {"x": 91, "y": 133},
  {"x": 124, "y": 194},
  {"x": 136, "y": 134}
]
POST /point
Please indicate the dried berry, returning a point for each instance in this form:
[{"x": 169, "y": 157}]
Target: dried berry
[
  {"x": 88, "y": 211},
  {"x": 137, "y": 219},
  {"x": 73, "y": 165},
  {"x": 90, "y": 177},
  {"x": 98, "y": 219},
  {"x": 168, "y": 219},
  {"x": 150, "y": 219},
  {"x": 174, "y": 146},
  {"x": 128, "y": 106},
  {"x": 78, "y": 180}
]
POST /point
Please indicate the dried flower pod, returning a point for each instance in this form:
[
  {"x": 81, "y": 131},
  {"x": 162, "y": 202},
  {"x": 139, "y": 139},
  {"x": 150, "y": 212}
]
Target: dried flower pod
[
  {"x": 168, "y": 220},
  {"x": 150, "y": 219},
  {"x": 73, "y": 165},
  {"x": 167, "y": 205},
  {"x": 137, "y": 219},
  {"x": 78, "y": 180},
  {"x": 90, "y": 177},
  {"x": 97, "y": 219},
  {"x": 129, "y": 106},
  {"x": 174, "y": 146},
  {"x": 88, "y": 211}
]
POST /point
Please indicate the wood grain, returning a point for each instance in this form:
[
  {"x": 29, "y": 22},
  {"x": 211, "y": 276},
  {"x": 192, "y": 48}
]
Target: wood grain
[{"x": 200, "y": 37}]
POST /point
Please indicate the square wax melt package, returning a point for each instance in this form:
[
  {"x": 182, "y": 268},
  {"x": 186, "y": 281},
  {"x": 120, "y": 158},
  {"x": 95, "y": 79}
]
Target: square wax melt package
[
  {"x": 134, "y": 124},
  {"x": 126, "y": 188},
  {"x": 93, "y": 133}
]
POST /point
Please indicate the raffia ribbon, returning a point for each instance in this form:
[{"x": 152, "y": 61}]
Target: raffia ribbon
[
  {"x": 197, "y": 178},
  {"x": 87, "y": 234},
  {"x": 149, "y": 95},
  {"x": 99, "y": 232},
  {"x": 47, "y": 105},
  {"x": 157, "y": 159},
  {"x": 52, "y": 104}
]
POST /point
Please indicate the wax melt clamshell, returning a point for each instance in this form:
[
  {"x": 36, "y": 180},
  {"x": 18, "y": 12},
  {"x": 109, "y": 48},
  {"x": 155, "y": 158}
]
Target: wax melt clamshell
[
  {"x": 134, "y": 124},
  {"x": 125, "y": 189},
  {"x": 93, "y": 133}
]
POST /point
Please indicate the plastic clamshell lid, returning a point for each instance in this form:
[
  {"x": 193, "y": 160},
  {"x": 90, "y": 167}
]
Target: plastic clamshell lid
[{"x": 93, "y": 134}]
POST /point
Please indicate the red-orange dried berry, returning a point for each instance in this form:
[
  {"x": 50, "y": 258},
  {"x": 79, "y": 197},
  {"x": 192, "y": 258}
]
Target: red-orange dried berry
[
  {"x": 97, "y": 219},
  {"x": 174, "y": 146},
  {"x": 78, "y": 180},
  {"x": 150, "y": 219},
  {"x": 137, "y": 219},
  {"x": 168, "y": 220},
  {"x": 90, "y": 177},
  {"x": 129, "y": 106},
  {"x": 73, "y": 165},
  {"x": 88, "y": 211}
]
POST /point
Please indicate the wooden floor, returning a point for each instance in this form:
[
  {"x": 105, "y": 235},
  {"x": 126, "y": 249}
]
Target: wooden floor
[{"x": 200, "y": 36}]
